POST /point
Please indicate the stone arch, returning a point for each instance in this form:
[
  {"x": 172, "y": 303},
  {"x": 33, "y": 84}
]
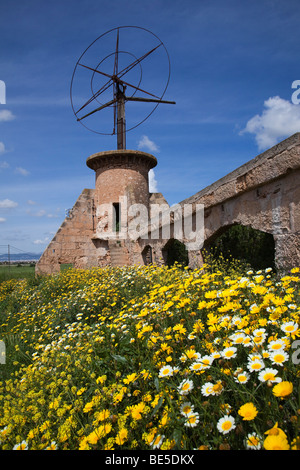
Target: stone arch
[
  {"x": 147, "y": 255},
  {"x": 244, "y": 242},
  {"x": 174, "y": 250}
]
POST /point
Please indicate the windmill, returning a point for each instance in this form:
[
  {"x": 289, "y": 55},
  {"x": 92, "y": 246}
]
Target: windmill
[{"x": 116, "y": 83}]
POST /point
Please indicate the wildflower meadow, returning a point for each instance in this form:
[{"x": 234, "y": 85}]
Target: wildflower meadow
[{"x": 148, "y": 357}]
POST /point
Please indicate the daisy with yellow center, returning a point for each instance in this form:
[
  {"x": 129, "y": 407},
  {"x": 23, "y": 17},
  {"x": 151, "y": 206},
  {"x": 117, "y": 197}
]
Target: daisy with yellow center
[
  {"x": 185, "y": 387},
  {"x": 192, "y": 420},
  {"x": 202, "y": 363},
  {"x": 21, "y": 446},
  {"x": 259, "y": 332},
  {"x": 253, "y": 441},
  {"x": 269, "y": 375},
  {"x": 226, "y": 424},
  {"x": 52, "y": 446},
  {"x": 207, "y": 389},
  {"x": 229, "y": 353},
  {"x": 238, "y": 338},
  {"x": 186, "y": 408},
  {"x": 290, "y": 327},
  {"x": 196, "y": 367},
  {"x": 279, "y": 357},
  {"x": 275, "y": 345},
  {"x": 242, "y": 377},
  {"x": 157, "y": 441},
  {"x": 248, "y": 411},
  {"x": 166, "y": 371},
  {"x": 255, "y": 365}
]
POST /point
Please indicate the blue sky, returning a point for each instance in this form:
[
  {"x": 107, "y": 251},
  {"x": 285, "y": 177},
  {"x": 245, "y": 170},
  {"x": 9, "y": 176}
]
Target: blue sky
[{"x": 233, "y": 64}]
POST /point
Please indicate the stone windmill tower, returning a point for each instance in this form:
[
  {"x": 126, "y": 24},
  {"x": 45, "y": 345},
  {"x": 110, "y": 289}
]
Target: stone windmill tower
[{"x": 95, "y": 232}]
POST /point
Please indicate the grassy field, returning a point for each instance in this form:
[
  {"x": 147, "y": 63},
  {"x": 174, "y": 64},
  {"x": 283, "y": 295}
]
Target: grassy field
[{"x": 15, "y": 271}]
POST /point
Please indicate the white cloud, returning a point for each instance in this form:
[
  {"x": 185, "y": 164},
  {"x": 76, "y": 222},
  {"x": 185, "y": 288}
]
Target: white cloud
[
  {"x": 41, "y": 242},
  {"x": 279, "y": 119},
  {"x": 2, "y": 219},
  {"x": 3, "y": 165},
  {"x": 6, "y": 115},
  {"x": 147, "y": 144},
  {"x": 152, "y": 182},
  {"x": 7, "y": 204},
  {"x": 31, "y": 203},
  {"x": 22, "y": 171},
  {"x": 2, "y": 148},
  {"x": 39, "y": 213}
]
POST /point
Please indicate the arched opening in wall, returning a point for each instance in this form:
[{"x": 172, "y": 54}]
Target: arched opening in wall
[
  {"x": 175, "y": 251},
  {"x": 147, "y": 255},
  {"x": 253, "y": 247}
]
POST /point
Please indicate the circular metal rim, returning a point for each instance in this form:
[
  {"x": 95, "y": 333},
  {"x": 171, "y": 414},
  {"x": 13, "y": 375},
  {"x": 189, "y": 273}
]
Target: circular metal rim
[{"x": 164, "y": 91}]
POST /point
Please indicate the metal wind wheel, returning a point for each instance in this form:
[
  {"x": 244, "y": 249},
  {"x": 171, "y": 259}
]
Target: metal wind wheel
[{"x": 104, "y": 84}]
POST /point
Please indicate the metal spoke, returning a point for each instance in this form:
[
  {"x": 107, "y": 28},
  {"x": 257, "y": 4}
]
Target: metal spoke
[{"x": 98, "y": 109}]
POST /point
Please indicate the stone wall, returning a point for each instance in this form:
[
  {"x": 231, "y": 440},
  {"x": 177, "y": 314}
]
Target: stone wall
[{"x": 264, "y": 193}]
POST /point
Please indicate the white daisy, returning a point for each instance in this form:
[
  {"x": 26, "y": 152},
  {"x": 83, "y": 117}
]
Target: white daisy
[
  {"x": 192, "y": 420},
  {"x": 229, "y": 353},
  {"x": 185, "y": 387},
  {"x": 279, "y": 357},
  {"x": 196, "y": 366},
  {"x": 242, "y": 377},
  {"x": 165, "y": 371},
  {"x": 277, "y": 344},
  {"x": 226, "y": 424},
  {"x": 202, "y": 363},
  {"x": 215, "y": 355},
  {"x": 259, "y": 332},
  {"x": 21, "y": 446},
  {"x": 255, "y": 365},
  {"x": 253, "y": 441},
  {"x": 268, "y": 375},
  {"x": 238, "y": 338},
  {"x": 157, "y": 441},
  {"x": 292, "y": 306},
  {"x": 186, "y": 408},
  {"x": 289, "y": 327},
  {"x": 207, "y": 389}
]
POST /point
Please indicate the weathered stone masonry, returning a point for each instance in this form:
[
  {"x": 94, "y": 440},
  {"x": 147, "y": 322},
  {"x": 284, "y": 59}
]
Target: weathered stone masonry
[{"x": 263, "y": 193}]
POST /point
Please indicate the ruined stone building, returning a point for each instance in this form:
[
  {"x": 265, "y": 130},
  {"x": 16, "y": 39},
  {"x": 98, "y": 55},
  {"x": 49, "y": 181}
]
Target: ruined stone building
[{"x": 264, "y": 193}]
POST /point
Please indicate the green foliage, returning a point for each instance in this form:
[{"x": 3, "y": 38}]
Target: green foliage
[
  {"x": 243, "y": 243},
  {"x": 176, "y": 253}
]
